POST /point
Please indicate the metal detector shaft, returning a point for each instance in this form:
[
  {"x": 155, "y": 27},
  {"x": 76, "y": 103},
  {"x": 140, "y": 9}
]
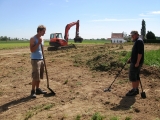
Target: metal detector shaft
[{"x": 108, "y": 89}]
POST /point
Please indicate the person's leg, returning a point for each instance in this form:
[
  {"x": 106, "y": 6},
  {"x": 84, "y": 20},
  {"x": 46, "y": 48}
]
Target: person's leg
[
  {"x": 34, "y": 74},
  {"x": 41, "y": 71},
  {"x": 133, "y": 79},
  {"x": 37, "y": 84},
  {"x": 34, "y": 84},
  {"x": 135, "y": 84}
]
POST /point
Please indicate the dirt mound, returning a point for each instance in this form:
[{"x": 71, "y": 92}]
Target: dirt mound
[
  {"x": 104, "y": 62},
  {"x": 149, "y": 71}
]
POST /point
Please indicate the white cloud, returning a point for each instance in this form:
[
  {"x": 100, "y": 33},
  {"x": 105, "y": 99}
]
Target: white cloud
[
  {"x": 150, "y": 13},
  {"x": 155, "y": 12}
]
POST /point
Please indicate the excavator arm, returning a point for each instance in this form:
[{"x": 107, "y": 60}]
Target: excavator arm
[{"x": 68, "y": 26}]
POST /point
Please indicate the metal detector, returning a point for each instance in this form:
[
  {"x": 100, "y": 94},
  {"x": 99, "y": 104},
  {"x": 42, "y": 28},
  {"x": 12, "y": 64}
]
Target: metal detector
[{"x": 109, "y": 88}]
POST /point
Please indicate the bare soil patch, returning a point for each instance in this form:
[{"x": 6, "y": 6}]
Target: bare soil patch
[{"x": 79, "y": 90}]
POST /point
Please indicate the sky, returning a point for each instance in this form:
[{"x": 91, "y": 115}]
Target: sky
[{"x": 98, "y": 18}]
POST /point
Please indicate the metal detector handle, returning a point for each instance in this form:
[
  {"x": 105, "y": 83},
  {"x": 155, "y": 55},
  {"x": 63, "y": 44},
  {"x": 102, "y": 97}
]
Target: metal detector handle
[
  {"x": 118, "y": 74},
  {"x": 121, "y": 70},
  {"x": 45, "y": 66}
]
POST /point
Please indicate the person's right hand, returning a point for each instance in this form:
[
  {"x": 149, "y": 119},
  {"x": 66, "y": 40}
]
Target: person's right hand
[{"x": 39, "y": 40}]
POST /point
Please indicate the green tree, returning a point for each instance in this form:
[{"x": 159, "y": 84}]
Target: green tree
[
  {"x": 143, "y": 29},
  {"x": 151, "y": 35}
]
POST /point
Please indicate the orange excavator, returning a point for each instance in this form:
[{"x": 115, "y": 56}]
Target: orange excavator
[{"x": 57, "y": 41}]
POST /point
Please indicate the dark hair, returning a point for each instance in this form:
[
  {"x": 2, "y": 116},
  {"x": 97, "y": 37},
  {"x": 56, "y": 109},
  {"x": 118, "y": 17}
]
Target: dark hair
[{"x": 40, "y": 28}]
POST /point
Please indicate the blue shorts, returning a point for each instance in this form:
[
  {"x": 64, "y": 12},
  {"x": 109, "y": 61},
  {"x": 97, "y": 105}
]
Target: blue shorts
[{"x": 134, "y": 72}]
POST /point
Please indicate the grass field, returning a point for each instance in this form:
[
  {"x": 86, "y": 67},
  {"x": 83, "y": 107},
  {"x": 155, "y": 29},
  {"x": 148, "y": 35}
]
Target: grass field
[
  {"x": 151, "y": 58},
  {"x": 22, "y": 44},
  {"x": 15, "y": 44},
  {"x": 91, "y": 42}
]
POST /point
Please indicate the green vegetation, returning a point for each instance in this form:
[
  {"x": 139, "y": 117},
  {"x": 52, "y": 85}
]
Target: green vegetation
[
  {"x": 104, "y": 62},
  {"x": 1, "y": 93},
  {"x": 22, "y": 44},
  {"x": 36, "y": 109},
  {"x": 29, "y": 114},
  {"x": 151, "y": 57},
  {"x": 78, "y": 117},
  {"x": 90, "y": 42},
  {"x": 143, "y": 29},
  {"x": 113, "y": 60},
  {"x": 15, "y": 44},
  {"x": 150, "y": 35},
  {"x": 97, "y": 116},
  {"x": 128, "y": 118},
  {"x": 65, "y": 82},
  {"x": 114, "y": 118}
]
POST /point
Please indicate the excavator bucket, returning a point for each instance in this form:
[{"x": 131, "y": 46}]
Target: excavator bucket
[{"x": 78, "y": 40}]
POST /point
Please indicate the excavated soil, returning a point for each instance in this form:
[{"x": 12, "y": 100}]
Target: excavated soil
[{"x": 78, "y": 76}]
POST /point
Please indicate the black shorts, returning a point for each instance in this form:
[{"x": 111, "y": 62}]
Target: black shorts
[{"x": 134, "y": 72}]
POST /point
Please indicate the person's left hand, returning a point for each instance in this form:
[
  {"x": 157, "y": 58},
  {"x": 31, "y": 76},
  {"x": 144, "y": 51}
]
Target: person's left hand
[{"x": 137, "y": 64}]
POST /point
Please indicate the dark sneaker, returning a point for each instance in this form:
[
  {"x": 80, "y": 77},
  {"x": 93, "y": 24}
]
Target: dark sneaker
[
  {"x": 33, "y": 94},
  {"x": 39, "y": 91},
  {"x": 137, "y": 91},
  {"x": 133, "y": 92}
]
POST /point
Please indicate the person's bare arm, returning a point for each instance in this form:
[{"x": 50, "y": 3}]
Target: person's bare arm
[
  {"x": 138, "y": 60},
  {"x": 34, "y": 47}
]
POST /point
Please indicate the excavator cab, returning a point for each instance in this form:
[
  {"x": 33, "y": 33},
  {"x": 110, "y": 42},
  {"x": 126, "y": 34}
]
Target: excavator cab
[
  {"x": 56, "y": 35},
  {"x": 56, "y": 40}
]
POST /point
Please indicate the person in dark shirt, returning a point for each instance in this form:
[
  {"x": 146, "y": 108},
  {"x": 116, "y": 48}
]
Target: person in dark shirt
[{"x": 136, "y": 61}]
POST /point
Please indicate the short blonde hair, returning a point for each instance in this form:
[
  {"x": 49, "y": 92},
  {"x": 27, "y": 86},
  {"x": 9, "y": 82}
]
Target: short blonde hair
[{"x": 40, "y": 28}]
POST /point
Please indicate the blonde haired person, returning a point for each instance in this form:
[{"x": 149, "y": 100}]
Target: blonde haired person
[{"x": 37, "y": 60}]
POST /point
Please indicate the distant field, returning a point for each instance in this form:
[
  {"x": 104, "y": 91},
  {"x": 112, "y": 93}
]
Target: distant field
[
  {"x": 21, "y": 44},
  {"x": 16, "y": 44},
  {"x": 91, "y": 42}
]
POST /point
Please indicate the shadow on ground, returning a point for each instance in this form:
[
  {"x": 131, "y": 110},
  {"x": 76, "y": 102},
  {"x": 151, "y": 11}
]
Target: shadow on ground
[
  {"x": 7, "y": 106},
  {"x": 125, "y": 103}
]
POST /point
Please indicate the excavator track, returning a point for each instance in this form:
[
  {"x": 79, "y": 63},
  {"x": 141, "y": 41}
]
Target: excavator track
[{"x": 52, "y": 48}]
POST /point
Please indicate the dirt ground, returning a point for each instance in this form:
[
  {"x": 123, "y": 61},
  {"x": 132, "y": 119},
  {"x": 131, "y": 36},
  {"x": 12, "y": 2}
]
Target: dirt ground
[{"x": 79, "y": 90}]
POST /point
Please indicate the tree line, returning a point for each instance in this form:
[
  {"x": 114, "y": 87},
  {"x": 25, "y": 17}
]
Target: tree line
[
  {"x": 5, "y": 38},
  {"x": 149, "y": 35}
]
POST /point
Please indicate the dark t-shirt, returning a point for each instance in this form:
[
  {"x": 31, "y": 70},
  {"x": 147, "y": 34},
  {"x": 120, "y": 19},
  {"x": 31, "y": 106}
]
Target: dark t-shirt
[{"x": 138, "y": 48}]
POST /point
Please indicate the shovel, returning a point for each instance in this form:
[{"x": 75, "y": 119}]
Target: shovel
[
  {"x": 143, "y": 94},
  {"x": 52, "y": 92}
]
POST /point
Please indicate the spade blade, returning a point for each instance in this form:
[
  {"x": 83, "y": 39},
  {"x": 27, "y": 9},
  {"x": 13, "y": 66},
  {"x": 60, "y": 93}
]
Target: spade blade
[
  {"x": 107, "y": 90},
  {"x": 143, "y": 95}
]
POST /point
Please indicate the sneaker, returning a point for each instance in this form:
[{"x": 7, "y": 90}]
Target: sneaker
[
  {"x": 33, "y": 94},
  {"x": 133, "y": 92},
  {"x": 39, "y": 91}
]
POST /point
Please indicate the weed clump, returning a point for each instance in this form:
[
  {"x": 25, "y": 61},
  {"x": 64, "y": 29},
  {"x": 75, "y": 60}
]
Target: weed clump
[{"x": 97, "y": 116}]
